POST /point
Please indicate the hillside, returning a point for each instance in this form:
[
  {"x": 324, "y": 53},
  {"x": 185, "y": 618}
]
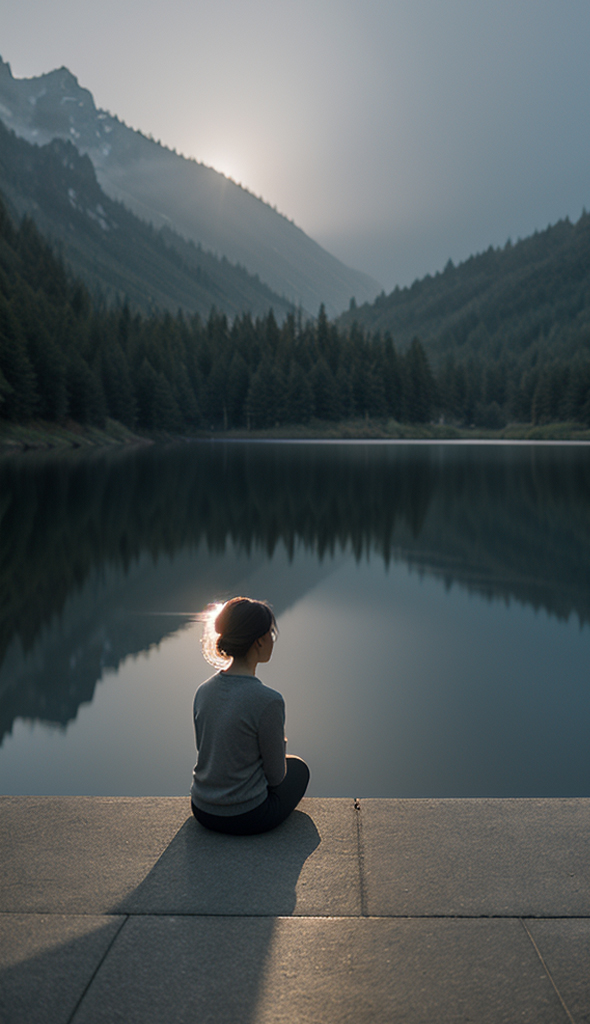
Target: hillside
[
  {"x": 533, "y": 297},
  {"x": 166, "y": 189},
  {"x": 64, "y": 356},
  {"x": 111, "y": 249}
]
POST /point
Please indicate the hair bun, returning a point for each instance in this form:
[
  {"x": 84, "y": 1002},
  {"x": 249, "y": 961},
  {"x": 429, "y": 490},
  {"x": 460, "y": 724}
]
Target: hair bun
[{"x": 231, "y": 630}]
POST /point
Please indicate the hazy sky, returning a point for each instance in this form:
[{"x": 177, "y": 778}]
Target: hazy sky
[{"x": 397, "y": 133}]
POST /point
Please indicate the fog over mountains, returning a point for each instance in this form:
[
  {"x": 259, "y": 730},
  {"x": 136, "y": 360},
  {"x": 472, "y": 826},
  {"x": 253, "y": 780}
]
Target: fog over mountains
[
  {"x": 118, "y": 255},
  {"x": 167, "y": 190}
]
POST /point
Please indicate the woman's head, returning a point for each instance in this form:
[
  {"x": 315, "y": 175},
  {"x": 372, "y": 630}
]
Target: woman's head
[{"x": 232, "y": 628}]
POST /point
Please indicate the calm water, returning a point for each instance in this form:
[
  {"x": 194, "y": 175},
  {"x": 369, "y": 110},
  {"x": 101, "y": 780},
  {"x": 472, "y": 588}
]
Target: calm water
[{"x": 433, "y": 604}]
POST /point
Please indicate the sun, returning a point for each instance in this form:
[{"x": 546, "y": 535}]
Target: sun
[{"x": 226, "y": 166}]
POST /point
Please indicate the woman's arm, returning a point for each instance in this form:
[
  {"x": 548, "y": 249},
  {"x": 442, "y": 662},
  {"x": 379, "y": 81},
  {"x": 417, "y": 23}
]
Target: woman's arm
[{"x": 272, "y": 743}]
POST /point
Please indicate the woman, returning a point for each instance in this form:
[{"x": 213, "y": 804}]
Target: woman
[{"x": 243, "y": 783}]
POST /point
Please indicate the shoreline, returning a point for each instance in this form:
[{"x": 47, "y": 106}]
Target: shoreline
[{"x": 39, "y": 436}]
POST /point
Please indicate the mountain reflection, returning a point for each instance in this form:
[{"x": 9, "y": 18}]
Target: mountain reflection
[{"x": 80, "y": 536}]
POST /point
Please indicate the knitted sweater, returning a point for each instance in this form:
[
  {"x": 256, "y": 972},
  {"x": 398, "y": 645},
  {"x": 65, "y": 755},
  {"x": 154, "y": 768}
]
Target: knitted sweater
[{"x": 240, "y": 735}]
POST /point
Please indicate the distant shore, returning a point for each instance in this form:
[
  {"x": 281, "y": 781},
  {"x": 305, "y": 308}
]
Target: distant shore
[
  {"x": 370, "y": 430},
  {"x": 40, "y": 435},
  {"x": 44, "y": 436}
]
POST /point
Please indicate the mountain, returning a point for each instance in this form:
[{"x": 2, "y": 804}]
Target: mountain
[
  {"x": 166, "y": 189},
  {"x": 114, "y": 251},
  {"x": 531, "y": 297}
]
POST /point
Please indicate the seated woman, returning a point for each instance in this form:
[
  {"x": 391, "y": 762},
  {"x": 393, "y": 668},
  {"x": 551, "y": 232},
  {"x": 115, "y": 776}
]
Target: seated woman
[{"x": 243, "y": 783}]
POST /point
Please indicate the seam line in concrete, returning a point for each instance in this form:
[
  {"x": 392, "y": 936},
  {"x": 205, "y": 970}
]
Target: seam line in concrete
[
  {"x": 361, "y": 858},
  {"x": 548, "y": 972},
  {"x": 97, "y": 969},
  {"x": 298, "y": 916},
  {"x": 306, "y": 917}
]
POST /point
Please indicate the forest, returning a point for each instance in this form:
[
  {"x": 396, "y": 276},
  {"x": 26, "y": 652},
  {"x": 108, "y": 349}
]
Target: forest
[
  {"x": 65, "y": 354},
  {"x": 507, "y": 331}
]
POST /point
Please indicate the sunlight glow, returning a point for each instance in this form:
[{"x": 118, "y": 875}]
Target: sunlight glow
[
  {"x": 209, "y": 638},
  {"x": 226, "y": 166}
]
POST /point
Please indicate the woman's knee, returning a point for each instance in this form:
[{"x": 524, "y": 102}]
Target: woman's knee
[{"x": 297, "y": 771}]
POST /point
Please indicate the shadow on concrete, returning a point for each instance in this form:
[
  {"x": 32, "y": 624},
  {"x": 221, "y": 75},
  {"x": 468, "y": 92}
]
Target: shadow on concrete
[
  {"x": 185, "y": 947},
  {"x": 46, "y": 963},
  {"x": 151, "y": 969},
  {"x": 201, "y": 927},
  {"x": 203, "y": 872}
]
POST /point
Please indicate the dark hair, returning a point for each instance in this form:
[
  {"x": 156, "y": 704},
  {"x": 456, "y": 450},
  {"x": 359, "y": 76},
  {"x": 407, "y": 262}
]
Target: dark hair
[{"x": 240, "y": 623}]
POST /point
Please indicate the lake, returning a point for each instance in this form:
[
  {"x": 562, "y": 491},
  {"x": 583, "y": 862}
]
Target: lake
[{"x": 433, "y": 601}]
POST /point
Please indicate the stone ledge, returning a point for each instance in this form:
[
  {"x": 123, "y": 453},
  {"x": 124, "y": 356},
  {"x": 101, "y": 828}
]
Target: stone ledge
[
  {"x": 124, "y": 909},
  {"x": 390, "y": 858}
]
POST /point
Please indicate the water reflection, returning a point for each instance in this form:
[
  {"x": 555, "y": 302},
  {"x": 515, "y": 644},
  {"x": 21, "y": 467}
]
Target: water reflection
[{"x": 93, "y": 550}]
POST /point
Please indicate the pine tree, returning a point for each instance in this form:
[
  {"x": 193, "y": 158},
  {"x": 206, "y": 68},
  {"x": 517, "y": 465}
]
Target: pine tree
[
  {"x": 157, "y": 408},
  {"x": 114, "y": 373},
  {"x": 579, "y": 393},
  {"x": 238, "y": 382},
  {"x": 262, "y": 408},
  {"x": 21, "y": 401},
  {"x": 271, "y": 333},
  {"x": 392, "y": 379},
  {"x": 299, "y": 406},
  {"x": 214, "y": 394},
  {"x": 345, "y": 393},
  {"x": 33, "y": 314},
  {"x": 446, "y": 386},
  {"x": 184, "y": 396},
  {"x": 419, "y": 390},
  {"x": 326, "y": 398},
  {"x": 86, "y": 401},
  {"x": 165, "y": 412},
  {"x": 50, "y": 369},
  {"x": 6, "y": 389}
]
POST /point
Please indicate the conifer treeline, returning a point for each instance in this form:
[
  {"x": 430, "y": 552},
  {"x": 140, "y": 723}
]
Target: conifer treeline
[{"x": 61, "y": 355}]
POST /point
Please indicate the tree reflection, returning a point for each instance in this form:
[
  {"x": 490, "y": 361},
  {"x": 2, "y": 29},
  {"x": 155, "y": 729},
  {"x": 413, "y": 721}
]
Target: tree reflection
[{"x": 510, "y": 522}]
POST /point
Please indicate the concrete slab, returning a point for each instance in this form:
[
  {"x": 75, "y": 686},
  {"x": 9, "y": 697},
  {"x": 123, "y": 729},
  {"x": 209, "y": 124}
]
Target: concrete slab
[
  {"x": 565, "y": 948},
  {"x": 96, "y": 855},
  {"x": 308, "y": 866},
  {"x": 301, "y": 971},
  {"x": 520, "y": 858},
  {"x": 81, "y": 855},
  {"x": 47, "y": 962}
]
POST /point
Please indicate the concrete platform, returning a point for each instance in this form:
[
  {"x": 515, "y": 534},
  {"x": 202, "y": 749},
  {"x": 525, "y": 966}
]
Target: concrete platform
[{"x": 117, "y": 909}]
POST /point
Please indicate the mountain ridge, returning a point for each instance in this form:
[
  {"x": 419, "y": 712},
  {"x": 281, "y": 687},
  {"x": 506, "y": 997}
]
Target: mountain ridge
[
  {"x": 113, "y": 251},
  {"x": 501, "y": 302},
  {"x": 161, "y": 186}
]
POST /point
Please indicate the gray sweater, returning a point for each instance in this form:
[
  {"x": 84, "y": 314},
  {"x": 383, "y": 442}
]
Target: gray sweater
[{"x": 240, "y": 734}]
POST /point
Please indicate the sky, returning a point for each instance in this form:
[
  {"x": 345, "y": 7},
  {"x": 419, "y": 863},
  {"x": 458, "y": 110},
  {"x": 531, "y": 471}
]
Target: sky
[{"x": 397, "y": 133}]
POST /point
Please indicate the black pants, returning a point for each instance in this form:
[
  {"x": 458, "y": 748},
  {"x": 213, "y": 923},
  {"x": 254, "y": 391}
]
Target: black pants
[{"x": 281, "y": 800}]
